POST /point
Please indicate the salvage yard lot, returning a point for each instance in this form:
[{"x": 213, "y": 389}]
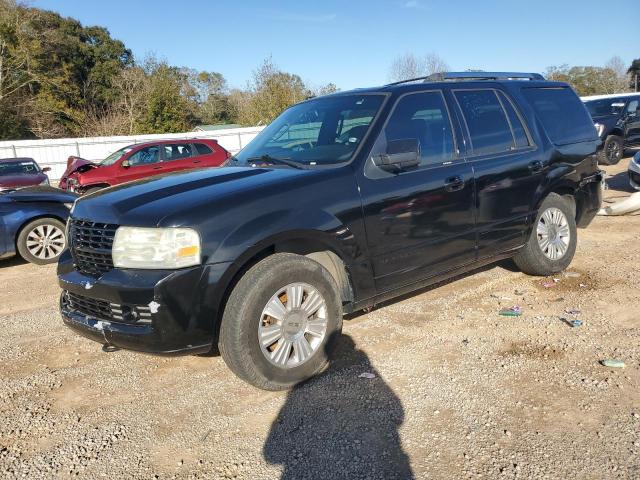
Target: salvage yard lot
[{"x": 459, "y": 391}]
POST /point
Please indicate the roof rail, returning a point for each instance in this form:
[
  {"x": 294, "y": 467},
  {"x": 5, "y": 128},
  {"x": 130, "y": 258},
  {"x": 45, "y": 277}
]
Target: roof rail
[
  {"x": 485, "y": 76},
  {"x": 458, "y": 76}
]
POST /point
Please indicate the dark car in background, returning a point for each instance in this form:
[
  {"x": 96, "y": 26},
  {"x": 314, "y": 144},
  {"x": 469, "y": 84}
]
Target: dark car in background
[
  {"x": 617, "y": 121},
  {"x": 341, "y": 203},
  {"x": 140, "y": 161},
  {"x": 32, "y": 223},
  {"x": 21, "y": 172}
]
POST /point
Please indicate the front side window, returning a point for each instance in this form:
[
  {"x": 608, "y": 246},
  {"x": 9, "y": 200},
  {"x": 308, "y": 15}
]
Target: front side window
[
  {"x": 115, "y": 156},
  {"x": 176, "y": 151},
  {"x": 604, "y": 107},
  {"x": 633, "y": 106},
  {"x": 486, "y": 121},
  {"x": 145, "y": 156},
  {"x": 323, "y": 131},
  {"x": 421, "y": 116}
]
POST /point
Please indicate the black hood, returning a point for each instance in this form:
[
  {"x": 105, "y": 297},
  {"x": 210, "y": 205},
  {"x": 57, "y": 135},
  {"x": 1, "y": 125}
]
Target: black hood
[{"x": 39, "y": 194}]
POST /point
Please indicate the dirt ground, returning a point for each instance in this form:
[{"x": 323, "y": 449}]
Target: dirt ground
[{"x": 459, "y": 391}]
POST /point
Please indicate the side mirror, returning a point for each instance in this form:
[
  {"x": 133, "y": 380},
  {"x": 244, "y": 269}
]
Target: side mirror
[
  {"x": 46, "y": 169},
  {"x": 401, "y": 154},
  {"x": 125, "y": 164}
]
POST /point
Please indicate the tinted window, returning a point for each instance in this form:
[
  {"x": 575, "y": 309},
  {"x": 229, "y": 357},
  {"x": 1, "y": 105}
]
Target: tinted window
[
  {"x": 562, "y": 114},
  {"x": 421, "y": 116},
  {"x": 176, "y": 151},
  {"x": 145, "y": 156},
  {"x": 633, "y": 106},
  {"x": 486, "y": 121},
  {"x": 605, "y": 106},
  {"x": 519, "y": 133},
  {"x": 202, "y": 149}
]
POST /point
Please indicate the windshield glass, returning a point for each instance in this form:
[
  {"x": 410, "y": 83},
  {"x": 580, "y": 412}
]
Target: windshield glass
[
  {"x": 18, "y": 168},
  {"x": 115, "y": 156},
  {"x": 323, "y": 131},
  {"x": 607, "y": 106}
]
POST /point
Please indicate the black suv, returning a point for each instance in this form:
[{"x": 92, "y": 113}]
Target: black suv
[
  {"x": 344, "y": 201},
  {"x": 617, "y": 120}
]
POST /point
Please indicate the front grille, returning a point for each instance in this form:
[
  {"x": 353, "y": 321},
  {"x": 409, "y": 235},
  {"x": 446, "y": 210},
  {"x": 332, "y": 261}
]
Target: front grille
[
  {"x": 103, "y": 310},
  {"x": 90, "y": 245}
]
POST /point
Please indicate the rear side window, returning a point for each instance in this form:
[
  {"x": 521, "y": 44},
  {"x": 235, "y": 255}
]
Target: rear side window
[
  {"x": 519, "y": 133},
  {"x": 202, "y": 149},
  {"x": 176, "y": 151},
  {"x": 562, "y": 114},
  {"x": 486, "y": 121}
]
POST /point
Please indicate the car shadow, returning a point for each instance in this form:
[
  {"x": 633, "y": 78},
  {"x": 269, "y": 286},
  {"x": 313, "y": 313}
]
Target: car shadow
[
  {"x": 12, "y": 261},
  {"x": 620, "y": 183},
  {"x": 340, "y": 425}
]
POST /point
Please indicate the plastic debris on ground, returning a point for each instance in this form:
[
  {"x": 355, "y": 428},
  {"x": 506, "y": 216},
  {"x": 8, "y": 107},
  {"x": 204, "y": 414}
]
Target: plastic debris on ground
[
  {"x": 514, "y": 311},
  {"x": 550, "y": 283},
  {"x": 367, "y": 375},
  {"x": 572, "y": 311},
  {"x": 612, "y": 363},
  {"x": 572, "y": 323}
]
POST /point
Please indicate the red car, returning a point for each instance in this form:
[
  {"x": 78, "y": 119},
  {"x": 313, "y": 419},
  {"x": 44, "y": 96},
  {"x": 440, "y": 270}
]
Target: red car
[
  {"x": 21, "y": 172},
  {"x": 140, "y": 161}
]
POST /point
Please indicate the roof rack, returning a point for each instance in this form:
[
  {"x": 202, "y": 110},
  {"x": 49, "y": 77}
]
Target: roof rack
[{"x": 459, "y": 76}]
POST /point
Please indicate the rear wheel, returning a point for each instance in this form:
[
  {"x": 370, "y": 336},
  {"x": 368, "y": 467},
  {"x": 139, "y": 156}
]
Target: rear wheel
[
  {"x": 280, "y": 322},
  {"x": 42, "y": 241},
  {"x": 612, "y": 152},
  {"x": 553, "y": 239}
]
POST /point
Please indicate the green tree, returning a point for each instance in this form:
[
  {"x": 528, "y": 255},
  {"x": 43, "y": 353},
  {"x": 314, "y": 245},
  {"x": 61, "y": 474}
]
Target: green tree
[
  {"x": 634, "y": 72},
  {"x": 587, "y": 80}
]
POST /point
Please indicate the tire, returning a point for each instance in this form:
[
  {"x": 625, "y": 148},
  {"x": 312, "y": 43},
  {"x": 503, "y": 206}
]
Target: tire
[
  {"x": 244, "y": 317},
  {"x": 42, "y": 241},
  {"x": 532, "y": 259},
  {"x": 612, "y": 152}
]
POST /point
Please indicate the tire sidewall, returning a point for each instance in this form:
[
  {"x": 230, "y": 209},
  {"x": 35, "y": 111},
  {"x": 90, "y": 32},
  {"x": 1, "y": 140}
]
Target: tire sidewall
[
  {"x": 21, "y": 241},
  {"x": 608, "y": 141},
  {"x": 554, "y": 266},
  {"x": 288, "y": 271}
]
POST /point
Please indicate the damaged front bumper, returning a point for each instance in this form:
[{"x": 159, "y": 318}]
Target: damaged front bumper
[
  {"x": 169, "y": 312},
  {"x": 589, "y": 198}
]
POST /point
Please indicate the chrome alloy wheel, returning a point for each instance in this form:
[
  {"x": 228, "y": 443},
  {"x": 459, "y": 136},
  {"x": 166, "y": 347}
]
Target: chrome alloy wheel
[
  {"x": 293, "y": 325},
  {"x": 554, "y": 234},
  {"x": 46, "y": 242}
]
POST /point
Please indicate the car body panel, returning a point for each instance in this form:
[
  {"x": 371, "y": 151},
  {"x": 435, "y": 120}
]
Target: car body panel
[{"x": 19, "y": 207}]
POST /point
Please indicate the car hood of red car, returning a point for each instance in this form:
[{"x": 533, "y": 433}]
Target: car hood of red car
[
  {"x": 75, "y": 163},
  {"x": 22, "y": 180}
]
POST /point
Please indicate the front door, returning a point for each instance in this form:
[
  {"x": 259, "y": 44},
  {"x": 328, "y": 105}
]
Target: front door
[
  {"x": 419, "y": 220},
  {"x": 140, "y": 164},
  {"x": 632, "y": 123}
]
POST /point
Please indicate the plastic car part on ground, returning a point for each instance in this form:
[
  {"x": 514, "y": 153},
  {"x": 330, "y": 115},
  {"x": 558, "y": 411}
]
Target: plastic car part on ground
[
  {"x": 613, "y": 363},
  {"x": 628, "y": 206},
  {"x": 514, "y": 311}
]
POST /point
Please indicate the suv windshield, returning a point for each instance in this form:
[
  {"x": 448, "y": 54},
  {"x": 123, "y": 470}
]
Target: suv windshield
[
  {"x": 607, "y": 106},
  {"x": 323, "y": 131},
  {"x": 115, "y": 156},
  {"x": 18, "y": 168}
]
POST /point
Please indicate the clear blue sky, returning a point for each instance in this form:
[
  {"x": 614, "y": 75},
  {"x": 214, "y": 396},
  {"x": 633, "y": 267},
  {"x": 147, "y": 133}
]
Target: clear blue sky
[{"x": 352, "y": 43}]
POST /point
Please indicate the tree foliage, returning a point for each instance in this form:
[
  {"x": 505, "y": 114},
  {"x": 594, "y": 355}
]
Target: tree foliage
[
  {"x": 409, "y": 66},
  {"x": 590, "y": 80}
]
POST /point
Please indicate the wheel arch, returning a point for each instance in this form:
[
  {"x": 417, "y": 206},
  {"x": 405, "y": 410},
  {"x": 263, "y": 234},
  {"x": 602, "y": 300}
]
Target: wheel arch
[{"x": 29, "y": 220}]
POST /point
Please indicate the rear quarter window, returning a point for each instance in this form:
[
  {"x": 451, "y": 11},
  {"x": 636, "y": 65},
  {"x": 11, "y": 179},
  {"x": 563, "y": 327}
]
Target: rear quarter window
[{"x": 562, "y": 114}]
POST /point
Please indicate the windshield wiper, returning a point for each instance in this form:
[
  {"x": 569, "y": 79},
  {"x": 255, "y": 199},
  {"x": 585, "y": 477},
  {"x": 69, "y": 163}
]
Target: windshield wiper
[{"x": 277, "y": 160}]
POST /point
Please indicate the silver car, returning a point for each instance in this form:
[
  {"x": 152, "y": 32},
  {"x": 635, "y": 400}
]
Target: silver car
[{"x": 634, "y": 171}]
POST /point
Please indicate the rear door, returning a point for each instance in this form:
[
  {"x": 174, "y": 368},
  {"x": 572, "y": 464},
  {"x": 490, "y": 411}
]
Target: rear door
[
  {"x": 141, "y": 164},
  {"x": 632, "y": 123},
  {"x": 508, "y": 167},
  {"x": 419, "y": 221},
  {"x": 207, "y": 156},
  {"x": 177, "y": 156}
]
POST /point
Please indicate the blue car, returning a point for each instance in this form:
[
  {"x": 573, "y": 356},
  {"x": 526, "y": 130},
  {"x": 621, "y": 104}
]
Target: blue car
[{"x": 32, "y": 223}]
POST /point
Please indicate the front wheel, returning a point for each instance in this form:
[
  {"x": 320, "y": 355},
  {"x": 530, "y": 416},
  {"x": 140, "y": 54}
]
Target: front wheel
[
  {"x": 42, "y": 241},
  {"x": 612, "y": 151},
  {"x": 280, "y": 322},
  {"x": 553, "y": 239}
]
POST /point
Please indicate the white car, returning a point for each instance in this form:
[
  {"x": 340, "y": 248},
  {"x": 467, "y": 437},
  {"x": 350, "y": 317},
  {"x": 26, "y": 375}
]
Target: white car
[{"x": 634, "y": 171}]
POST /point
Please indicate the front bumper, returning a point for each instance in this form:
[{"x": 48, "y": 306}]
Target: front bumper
[
  {"x": 169, "y": 312},
  {"x": 634, "y": 172}
]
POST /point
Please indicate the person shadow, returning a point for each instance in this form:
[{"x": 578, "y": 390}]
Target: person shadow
[{"x": 339, "y": 425}]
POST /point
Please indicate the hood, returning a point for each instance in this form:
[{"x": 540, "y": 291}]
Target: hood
[
  {"x": 172, "y": 199},
  {"x": 77, "y": 164},
  {"x": 22, "y": 180},
  {"x": 39, "y": 194}
]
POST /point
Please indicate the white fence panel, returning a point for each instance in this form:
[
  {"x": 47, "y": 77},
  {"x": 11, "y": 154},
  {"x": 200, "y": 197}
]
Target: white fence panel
[{"x": 54, "y": 153}]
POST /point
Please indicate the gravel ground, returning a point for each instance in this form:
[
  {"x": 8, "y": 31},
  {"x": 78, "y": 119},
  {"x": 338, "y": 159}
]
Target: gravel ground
[{"x": 458, "y": 392}]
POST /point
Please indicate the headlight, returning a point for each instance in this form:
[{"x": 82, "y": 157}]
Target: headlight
[
  {"x": 599, "y": 128},
  {"x": 156, "y": 248}
]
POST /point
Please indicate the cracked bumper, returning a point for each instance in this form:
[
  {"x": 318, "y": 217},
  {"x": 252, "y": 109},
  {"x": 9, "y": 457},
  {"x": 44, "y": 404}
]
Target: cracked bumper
[{"x": 181, "y": 305}]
